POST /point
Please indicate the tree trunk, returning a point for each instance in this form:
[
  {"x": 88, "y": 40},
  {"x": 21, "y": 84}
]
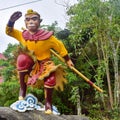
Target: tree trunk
[
  {"x": 78, "y": 103},
  {"x": 116, "y": 73}
]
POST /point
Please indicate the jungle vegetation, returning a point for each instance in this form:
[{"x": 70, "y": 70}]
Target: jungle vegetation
[{"x": 92, "y": 37}]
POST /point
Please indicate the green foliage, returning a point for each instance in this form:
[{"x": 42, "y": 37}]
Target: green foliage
[
  {"x": 9, "y": 51},
  {"x": 65, "y": 104},
  {"x": 8, "y": 92},
  {"x": 9, "y": 88},
  {"x": 114, "y": 114},
  {"x": 8, "y": 72},
  {"x": 95, "y": 28},
  {"x": 100, "y": 74},
  {"x": 74, "y": 95},
  {"x": 53, "y": 27},
  {"x": 60, "y": 100},
  {"x": 94, "y": 111},
  {"x": 64, "y": 34},
  {"x": 103, "y": 115},
  {"x": 91, "y": 25}
]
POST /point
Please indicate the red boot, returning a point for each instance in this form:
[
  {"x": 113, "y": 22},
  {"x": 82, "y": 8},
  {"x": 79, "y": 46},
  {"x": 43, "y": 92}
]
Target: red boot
[
  {"x": 48, "y": 100},
  {"x": 23, "y": 86},
  {"x": 24, "y": 66}
]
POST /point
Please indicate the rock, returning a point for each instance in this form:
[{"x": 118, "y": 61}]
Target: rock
[{"x": 7, "y": 113}]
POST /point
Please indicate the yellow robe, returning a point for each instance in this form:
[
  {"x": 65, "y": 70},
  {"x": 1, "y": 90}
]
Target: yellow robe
[{"x": 41, "y": 50}]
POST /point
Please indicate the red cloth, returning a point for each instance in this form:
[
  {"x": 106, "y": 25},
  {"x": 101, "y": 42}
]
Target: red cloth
[
  {"x": 24, "y": 62},
  {"x": 39, "y": 35},
  {"x": 48, "y": 80}
]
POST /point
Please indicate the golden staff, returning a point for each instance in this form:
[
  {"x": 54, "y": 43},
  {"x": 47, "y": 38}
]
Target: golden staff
[{"x": 76, "y": 71}]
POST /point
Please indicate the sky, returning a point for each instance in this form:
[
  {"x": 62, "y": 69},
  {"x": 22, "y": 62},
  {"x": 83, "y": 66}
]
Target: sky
[{"x": 49, "y": 10}]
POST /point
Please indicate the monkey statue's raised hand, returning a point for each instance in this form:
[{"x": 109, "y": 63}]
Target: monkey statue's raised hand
[{"x": 15, "y": 16}]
